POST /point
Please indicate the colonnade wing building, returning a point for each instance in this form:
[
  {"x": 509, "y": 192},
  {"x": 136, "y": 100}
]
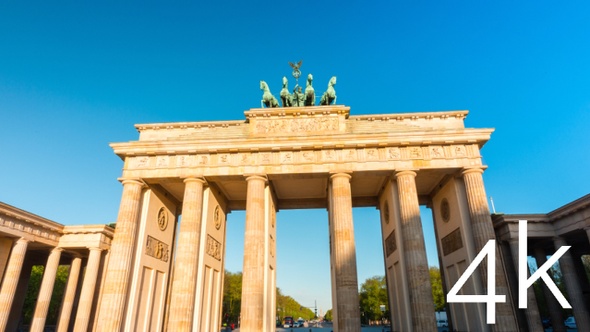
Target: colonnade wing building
[{"x": 163, "y": 270}]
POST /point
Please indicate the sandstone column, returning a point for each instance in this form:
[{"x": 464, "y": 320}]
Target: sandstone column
[
  {"x": 533, "y": 317},
  {"x": 70, "y": 295},
  {"x": 422, "y": 304},
  {"x": 88, "y": 288},
  {"x": 553, "y": 306},
  {"x": 344, "y": 254},
  {"x": 572, "y": 284},
  {"x": 114, "y": 296},
  {"x": 49, "y": 274},
  {"x": 483, "y": 231},
  {"x": 182, "y": 301},
  {"x": 253, "y": 271},
  {"x": 10, "y": 281}
]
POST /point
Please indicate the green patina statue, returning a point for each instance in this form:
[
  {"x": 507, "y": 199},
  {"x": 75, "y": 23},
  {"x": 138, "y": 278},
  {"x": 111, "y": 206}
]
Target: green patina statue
[
  {"x": 330, "y": 95},
  {"x": 298, "y": 96},
  {"x": 267, "y": 98},
  {"x": 309, "y": 92},
  {"x": 286, "y": 98}
]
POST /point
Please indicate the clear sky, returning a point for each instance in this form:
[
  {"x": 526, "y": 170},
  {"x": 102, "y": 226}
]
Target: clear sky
[{"x": 75, "y": 76}]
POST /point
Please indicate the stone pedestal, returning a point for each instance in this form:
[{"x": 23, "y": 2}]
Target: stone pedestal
[
  {"x": 88, "y": 287},
  {"x": 344, "y": 254},
  {"x": 10, "y": 280},
  {"x": 38, "y": 323},
  {"x": 185, "y": 269},
  {"x": 114, "y": 294},
  {"x": 532, "y": 315},
  {"x": 422, "y": 304},
  {"x": 253, "y": 271},
  {"x": 483, "y": 231},
  {"x": 69, "y": 296},
  {"x": 572, "y": 284},
  {"x": 552, "y": 304}
]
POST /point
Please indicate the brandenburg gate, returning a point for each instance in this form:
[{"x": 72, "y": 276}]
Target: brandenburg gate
[{"x": 180, "y": 180}]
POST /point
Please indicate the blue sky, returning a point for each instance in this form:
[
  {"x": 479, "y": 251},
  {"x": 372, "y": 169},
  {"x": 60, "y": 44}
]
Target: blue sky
[{"x": 76, "y": 76}]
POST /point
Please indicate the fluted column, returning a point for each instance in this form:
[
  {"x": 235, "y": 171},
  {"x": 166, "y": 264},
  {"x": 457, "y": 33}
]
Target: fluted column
[
  {"x": 182, "y": 301},
  {"x": 483, "y": 231},
  {"x": 253, "y": 271},
  {"x": 44, "y": 298},
  {"x": 422, "y": 304},
  {"x": 70, "y": 295},
  {"x": 555, "y": 310},
  {"x": 572, "y": 284},
  {"x": 88, "y": 289},
  {"x": 532, "y": 314},
  {"x": 344, "y": 255},
  {"x": 114, "y": 291},
  {"x": 10, "y": 281}
]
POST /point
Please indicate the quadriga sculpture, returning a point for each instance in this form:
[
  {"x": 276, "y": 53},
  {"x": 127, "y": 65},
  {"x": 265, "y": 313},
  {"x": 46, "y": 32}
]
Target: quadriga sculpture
[
  {"x": 286, "y": 98},
  {"x": 267, "y": 98},
  {"x": 309, "y": 92},
  {"x": 330, "y": 95}
]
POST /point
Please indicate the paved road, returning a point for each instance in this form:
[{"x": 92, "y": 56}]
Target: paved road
[{"x": 329, "y": 329}]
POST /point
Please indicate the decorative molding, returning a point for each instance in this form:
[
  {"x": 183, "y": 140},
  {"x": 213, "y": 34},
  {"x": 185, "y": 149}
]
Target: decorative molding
[{"x": 162, "y": 219}]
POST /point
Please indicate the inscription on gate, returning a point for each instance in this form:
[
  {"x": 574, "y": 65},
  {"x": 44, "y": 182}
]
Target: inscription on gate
[{"x": 452, "y": 242}]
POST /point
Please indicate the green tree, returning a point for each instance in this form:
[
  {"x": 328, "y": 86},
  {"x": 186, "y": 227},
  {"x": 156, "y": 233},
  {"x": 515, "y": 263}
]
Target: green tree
[
  {"x": 232, "y": 301},
  {"x": 232, "y": 296},
  {"x": 437, "y": 290},
  {"x": 372, "y": 296},
  {"x": 328, "y": 315},
  {"x": 287, "y": 306},
  {"x": 33, "y": 292}
]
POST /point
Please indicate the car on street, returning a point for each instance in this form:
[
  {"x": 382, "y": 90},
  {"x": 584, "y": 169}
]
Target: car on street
[
  {"x": 442, "y": 323},
  {"x": 570, "y": 322},
  {"x": 289, "y": 322}
]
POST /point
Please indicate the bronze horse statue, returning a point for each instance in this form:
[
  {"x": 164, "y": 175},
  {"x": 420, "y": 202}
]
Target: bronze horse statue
[
  {"x": 330, "y": 95},
  {"x": 309, "y": 92},
  {"x": 267, "y": 98},
  {"x": 286, "y": 98}
]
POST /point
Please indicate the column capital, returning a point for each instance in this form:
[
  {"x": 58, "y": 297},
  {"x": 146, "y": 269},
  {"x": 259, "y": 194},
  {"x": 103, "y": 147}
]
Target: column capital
[
  {"x": 94, "y": 249},
  {"x": 347, "y": 175},
  {"x": 256, "y": 176},
  {"x": 132, "y": 180},
  {"x": 403, "y": 172},
  {"x": 23, "y": 240},
  {"x": 195, "y": 179},
  {"x": 475, "y": 169}
]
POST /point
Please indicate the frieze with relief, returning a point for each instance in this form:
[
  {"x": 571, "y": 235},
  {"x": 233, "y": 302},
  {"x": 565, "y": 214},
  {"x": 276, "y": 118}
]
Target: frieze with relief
[
  {"x": 304, "y": 156},
  {"x": 213, "y": 248},
  {"x": 390, "y": 244},
  {"x": 156, "y": 248},
  {"x": 296, "y": 125}
]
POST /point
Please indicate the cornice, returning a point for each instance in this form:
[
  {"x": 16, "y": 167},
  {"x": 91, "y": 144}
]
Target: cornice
[
  {"x": 29, "y": 218},
  {"x": 297, "y": 111},
  {"x": 260, "y": 144}
]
